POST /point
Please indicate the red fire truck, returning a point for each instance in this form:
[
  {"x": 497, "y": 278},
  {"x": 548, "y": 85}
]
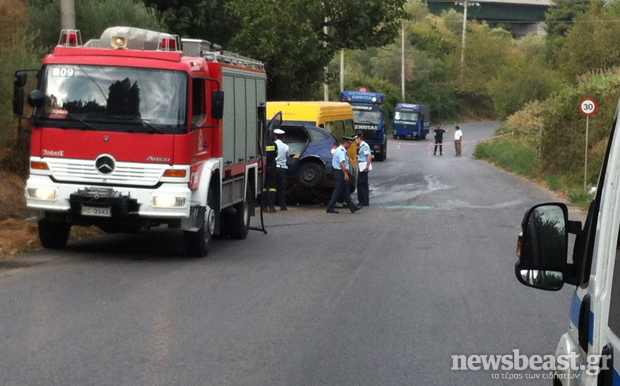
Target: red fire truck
[{"x": 140, "y": 129}]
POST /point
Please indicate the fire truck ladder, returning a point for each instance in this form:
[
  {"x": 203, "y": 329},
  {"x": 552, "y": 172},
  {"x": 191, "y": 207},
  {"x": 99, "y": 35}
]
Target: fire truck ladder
[{"x": 214, "y": 53}]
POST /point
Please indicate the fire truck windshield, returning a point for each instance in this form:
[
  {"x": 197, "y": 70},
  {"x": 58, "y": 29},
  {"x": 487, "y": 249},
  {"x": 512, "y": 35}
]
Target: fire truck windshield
[{"x": 114, "y": 98}]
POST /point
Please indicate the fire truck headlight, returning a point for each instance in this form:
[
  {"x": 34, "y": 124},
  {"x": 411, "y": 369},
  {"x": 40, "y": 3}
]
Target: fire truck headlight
[
  {"x": 42, "y": 193},
  {"x": 167, "y": 201}
]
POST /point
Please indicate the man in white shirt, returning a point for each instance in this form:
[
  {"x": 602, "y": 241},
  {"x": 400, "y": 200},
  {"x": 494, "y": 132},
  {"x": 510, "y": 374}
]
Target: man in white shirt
[
  {"x": 283, "y": 154},
  {"x": 458, "y": 139}
]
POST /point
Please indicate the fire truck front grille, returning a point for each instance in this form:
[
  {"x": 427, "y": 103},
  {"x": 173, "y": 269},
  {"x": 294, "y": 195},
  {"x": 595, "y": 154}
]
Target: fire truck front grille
[{"x": 124, "y": 173}]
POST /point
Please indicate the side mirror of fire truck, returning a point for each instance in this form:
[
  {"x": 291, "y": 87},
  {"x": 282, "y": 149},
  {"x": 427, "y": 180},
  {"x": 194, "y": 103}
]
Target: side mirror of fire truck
[
  {"x": 36, "y": 99},
  {"x": 18, "y": 93},
  {"x": 542, "y": 247},
  {"x": 217, "y": 108}
]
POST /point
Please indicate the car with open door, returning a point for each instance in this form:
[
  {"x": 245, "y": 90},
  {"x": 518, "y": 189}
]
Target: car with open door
[{"x": 310, "y": 171}]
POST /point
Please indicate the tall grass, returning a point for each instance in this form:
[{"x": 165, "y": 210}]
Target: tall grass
[
  {"x": 510, "y": 154},
  {"x": 518, "y": 156}
]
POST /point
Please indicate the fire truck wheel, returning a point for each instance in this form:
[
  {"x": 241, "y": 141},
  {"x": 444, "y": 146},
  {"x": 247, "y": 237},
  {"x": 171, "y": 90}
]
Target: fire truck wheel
[
  {"x": 240, "y": 220},
  {"x": 197, "y": 244},
  {"x": 54, "y": 234}
]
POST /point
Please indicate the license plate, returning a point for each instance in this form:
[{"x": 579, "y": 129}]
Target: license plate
[{"x": 101, "y": 211}]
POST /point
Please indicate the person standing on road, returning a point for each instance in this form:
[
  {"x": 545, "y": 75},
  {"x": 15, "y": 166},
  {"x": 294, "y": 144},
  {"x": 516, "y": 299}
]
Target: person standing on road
[
  {"x": 458, "y": 139},
  {"x": 341, "y": 165},
  {"x": 268, "y": 197},
  {"x": 364, "y": 159},
  {"x": 283, "y": 154},
  {"x": 439, "y": 132}
]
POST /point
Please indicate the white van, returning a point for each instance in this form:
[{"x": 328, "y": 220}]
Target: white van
[{"x": 589, "y": 353}]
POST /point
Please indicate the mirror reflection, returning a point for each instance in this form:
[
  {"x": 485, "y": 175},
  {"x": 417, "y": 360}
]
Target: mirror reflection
[
  {"x": 551, "y": 280},
  {"x": 545, "y": 241}
]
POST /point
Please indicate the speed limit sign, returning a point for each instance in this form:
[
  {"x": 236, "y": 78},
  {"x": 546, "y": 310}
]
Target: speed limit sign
[{"x": 588, "y": 106}]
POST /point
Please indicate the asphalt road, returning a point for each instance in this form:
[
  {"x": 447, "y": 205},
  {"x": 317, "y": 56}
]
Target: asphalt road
[{"x": 384, "y": 296}]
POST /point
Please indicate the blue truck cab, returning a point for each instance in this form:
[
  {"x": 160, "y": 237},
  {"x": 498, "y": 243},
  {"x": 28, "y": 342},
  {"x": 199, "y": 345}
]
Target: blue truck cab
[
  {"x": 369, "y": 117},
  {"x": 411, "y": 120}
]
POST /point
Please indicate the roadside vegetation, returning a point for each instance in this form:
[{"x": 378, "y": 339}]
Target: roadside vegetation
[{"x": 532, "y": 85}]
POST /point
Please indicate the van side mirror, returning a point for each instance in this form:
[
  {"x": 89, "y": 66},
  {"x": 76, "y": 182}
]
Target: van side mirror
[
  {"x": 217, "y": 104},
  {"x": 543, "y": 247}
]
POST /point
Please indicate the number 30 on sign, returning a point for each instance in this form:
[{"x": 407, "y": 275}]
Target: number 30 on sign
[{"x": 588, "y": 106}]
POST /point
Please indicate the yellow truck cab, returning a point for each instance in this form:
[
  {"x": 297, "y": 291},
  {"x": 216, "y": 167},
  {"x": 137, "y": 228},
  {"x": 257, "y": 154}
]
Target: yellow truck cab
[
  {"x": 588, "y": 352},
  {"x": 335, "y": 117}
]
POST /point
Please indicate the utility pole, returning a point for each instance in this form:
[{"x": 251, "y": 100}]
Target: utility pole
[
  {"x": 402, "y": 63},
  {"x": 67, "y": 14},
  {"x": 465, "y": 3},
  {"x": 325, "y": 85},
  {"x": 341, "y": 70}
]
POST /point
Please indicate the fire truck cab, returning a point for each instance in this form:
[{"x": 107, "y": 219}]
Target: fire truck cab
[{"x": 139, "y": 129}]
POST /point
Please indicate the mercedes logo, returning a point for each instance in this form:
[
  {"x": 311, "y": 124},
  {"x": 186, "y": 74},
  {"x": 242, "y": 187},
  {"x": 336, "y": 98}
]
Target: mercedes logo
[{"x": 105, "y": 164}]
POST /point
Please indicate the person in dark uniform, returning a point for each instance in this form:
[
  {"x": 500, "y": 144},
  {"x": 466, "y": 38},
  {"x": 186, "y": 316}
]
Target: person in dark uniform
[
  {"x": 269, "y": 189},
  {"x": 439, "y": 132},
  {"x": 341, "y": 165}
]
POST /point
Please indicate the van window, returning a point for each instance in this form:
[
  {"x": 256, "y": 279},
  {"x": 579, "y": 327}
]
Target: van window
[
  {"x": 336, "y": 128},
  {"x": 349, "y": 126}
]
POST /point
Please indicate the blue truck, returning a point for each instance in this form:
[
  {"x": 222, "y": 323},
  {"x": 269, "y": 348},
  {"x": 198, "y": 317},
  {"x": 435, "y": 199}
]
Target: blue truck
[
  {"x": 369, "y": 117},
  {"x": 411, "y": 120}
]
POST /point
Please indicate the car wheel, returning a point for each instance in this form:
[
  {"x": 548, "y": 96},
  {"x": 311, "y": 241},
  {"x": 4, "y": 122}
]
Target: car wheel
[{"x": 309, "y": 175}]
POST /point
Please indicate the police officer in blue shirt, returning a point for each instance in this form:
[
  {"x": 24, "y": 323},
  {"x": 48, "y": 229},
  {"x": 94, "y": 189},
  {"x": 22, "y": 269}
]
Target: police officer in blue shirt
[
  {"x": 342, "y": 165},
  {"x": 364, "y": 160}
]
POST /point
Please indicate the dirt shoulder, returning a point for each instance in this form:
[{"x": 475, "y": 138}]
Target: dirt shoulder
[{"x": 17, "y": 235}]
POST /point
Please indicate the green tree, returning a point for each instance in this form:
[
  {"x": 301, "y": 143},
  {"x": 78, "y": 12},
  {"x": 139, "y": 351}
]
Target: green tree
[
  {"x": 91, "y": 18},
  {"x": 487, "y": 50},
  {"x": 590, "y": 45},
  {"x": 559, "y": 21},
  {"x": 519, "y": 83},
  {"x": 202, "y": 19},
  {"x": 288, "y": 36},
  {"x": 16, "y": 51}
]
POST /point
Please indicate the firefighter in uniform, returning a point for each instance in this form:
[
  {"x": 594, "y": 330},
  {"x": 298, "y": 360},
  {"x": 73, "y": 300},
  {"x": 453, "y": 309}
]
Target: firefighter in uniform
[{"x": 269, "y": 189}]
